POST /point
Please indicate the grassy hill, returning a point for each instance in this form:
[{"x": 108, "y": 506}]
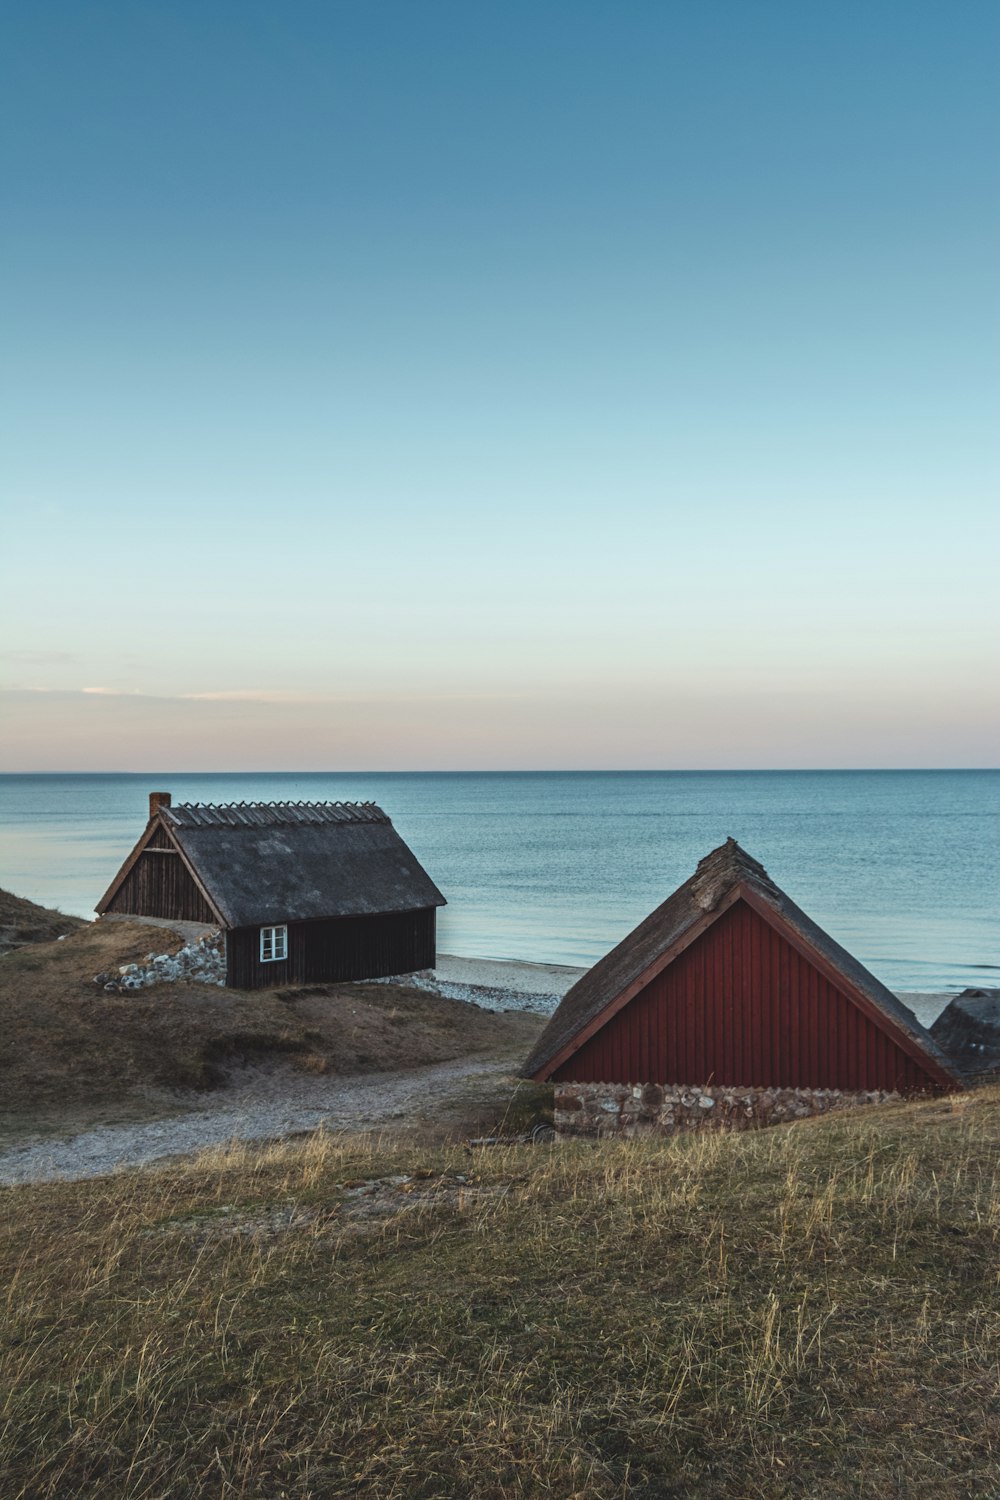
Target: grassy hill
[
  {"x": 71, "y": 1052},
  {"x": 22, "y": 921},
  {"x": 807, "y": 1310}
]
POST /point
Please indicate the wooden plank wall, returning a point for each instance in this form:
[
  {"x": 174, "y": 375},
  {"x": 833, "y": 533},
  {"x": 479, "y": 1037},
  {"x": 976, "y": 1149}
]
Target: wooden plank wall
[
  {"x": 159, "y": 885},
  {"x": 741, "y": 1006},
  {"x": 340, "y": 949}
]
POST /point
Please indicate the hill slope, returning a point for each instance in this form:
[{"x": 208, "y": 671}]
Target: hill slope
[
  {"x": 23, "y": 921},
  {"x": 70, "y": 1051},
  {"x": 807, "y": 1310}
]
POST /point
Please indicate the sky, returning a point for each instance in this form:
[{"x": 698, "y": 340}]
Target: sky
[{"x": 560, "y": 384}]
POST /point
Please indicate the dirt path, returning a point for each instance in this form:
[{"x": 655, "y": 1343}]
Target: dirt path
[{"x": 258, "y": 1104}]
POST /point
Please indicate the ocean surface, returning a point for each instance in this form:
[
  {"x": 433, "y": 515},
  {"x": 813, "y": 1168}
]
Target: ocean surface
[{"x": 555, "y": 867}]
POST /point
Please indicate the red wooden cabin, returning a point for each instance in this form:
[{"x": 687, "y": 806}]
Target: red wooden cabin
[{"x": 727, "y": 985}]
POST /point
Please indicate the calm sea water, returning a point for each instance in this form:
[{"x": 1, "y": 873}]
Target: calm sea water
[{"x": 900, "y": 866}]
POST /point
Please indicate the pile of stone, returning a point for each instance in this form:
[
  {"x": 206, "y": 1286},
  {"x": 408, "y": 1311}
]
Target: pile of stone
[
  {"x": 203, "y": 962},
  {"x": 482, "y": 996}
]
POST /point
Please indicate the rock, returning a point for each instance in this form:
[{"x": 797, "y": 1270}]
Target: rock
[{"x": 968, "y": 1029}]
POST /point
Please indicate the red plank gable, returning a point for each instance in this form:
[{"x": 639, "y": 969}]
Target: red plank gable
[{"x": 743, "y": 1005}]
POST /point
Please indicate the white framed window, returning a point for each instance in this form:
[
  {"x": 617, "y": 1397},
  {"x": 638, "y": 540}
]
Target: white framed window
[{"x": 273, "y": 944}]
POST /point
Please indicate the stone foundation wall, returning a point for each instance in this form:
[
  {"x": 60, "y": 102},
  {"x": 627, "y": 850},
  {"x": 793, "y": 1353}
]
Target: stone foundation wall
[{"x": 651, "y": 1109}]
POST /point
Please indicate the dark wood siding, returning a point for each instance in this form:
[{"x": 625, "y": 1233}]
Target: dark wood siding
[
  {"x": 340, "y": 949},
  {"x": 741, "y": 1006},
  {"x": 160, "y": 885}
]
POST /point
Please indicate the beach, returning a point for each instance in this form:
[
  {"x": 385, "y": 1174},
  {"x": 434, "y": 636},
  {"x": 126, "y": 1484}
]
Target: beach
[{"x": 500, "y": 983}]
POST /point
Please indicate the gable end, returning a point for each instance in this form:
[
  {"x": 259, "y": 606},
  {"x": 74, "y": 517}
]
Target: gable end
[
  {"x": 745, "y": 1002},
  {"x": 157, "y": 880}
]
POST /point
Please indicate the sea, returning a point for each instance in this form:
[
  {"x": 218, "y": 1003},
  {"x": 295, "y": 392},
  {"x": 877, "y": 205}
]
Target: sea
[{"x": 900, "y": 867}]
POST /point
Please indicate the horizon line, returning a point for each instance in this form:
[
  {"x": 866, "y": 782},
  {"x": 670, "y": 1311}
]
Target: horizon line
[{"x": 554, "y": 771}]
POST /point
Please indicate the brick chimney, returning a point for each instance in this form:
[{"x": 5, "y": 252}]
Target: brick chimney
[{"x": 156, "y": 801}]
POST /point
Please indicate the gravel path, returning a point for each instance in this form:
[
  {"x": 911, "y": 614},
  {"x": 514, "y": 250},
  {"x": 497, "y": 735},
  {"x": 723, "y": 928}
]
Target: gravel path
[
  {"x": 265, "y": 1103},
  {"x": 260, "y": 1104}
]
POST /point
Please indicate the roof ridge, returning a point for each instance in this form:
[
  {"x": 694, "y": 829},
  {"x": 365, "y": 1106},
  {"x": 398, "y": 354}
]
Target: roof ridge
[
  {"x": 717, "y": 870},
  {"x": 270, "y": 814}
]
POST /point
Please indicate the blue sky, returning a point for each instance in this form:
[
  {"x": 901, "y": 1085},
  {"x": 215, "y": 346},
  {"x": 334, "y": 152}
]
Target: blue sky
[{"x": 434, "y": 385}]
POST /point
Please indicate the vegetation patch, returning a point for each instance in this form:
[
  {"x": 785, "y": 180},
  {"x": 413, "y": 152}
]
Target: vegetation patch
[
  {"x": 70, "y": 1051},
  {"x": 807, "y": 1310},
  {"x": 23, "y": 922}
]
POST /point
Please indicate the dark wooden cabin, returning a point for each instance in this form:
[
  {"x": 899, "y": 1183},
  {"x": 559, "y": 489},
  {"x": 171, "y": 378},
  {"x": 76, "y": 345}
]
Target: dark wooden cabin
[
  {"x": 305, "y": 892},
  {"x": 729, "y": 983}
]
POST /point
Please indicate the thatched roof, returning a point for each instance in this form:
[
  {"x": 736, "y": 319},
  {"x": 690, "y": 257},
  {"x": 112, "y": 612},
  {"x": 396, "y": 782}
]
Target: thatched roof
[
  {"x": 716, "y": 876},
  {"x": 266, "y": 862}
]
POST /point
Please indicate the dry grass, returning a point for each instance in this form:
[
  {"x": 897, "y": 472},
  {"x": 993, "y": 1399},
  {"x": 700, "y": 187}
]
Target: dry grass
[
  {"x": 23, "y": 921},
  {"x": 69, "y": 1053},
  {"x": 808, "y": 1310}
]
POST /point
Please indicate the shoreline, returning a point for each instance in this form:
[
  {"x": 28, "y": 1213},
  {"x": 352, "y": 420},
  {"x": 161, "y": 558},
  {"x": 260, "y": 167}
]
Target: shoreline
[
  {"x": 494, "y": 983},
  {"x": 520, "y": 984},
  {"x": 272, "y": 1101}
]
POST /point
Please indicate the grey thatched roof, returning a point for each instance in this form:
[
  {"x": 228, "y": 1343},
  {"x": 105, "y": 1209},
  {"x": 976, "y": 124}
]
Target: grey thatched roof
[
  {"x": 715, "y": 877},
  {"x": 268, "y": 862}
]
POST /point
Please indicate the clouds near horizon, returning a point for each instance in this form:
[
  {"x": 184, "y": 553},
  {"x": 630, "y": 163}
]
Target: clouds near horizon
[
  {"x": 610, "y": 729},
  {"x": 499, "y": 386}
]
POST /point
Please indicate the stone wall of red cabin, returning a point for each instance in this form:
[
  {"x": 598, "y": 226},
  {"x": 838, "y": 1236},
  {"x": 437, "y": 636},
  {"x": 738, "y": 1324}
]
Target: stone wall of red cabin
[
  {"x": 630, "y": 1110},
  {"x": 742, "y": 1007}
]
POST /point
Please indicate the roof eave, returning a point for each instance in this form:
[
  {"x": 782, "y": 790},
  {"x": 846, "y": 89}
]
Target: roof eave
[
  {"x": 911, "y": 1044},
  {"x": 219, "y": 907},
  {"x": 682, "y": 940},
  {"x": 126, "y": 867}
]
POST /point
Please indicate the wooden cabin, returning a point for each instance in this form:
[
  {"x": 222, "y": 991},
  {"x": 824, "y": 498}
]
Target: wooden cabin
[
  {"x": 729, "y": 1004},
  {"x": 305, "y": 892}
]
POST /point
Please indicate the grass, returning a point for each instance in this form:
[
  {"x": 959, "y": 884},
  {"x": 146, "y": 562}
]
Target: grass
[
  {"x": 72, "y": 1055},
  {"x": 23, "y": 921},
  {"x": 806, "y": 1310}
]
